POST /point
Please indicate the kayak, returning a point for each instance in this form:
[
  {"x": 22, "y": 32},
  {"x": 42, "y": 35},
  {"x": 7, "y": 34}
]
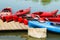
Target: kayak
[
  {"x": 22, "y": 12},
  {"x": 20, "y": 20},
  {"x": 7, "y": 11},
  {"x": 46, "y": 14},
  {"x": 15, "y": 18},
  {"x": 54, "y": 19},
  {"x": 47, "y": 24},
  {"x": 6, "y": 14},
  {"x": 49, "y": 14},
  {"x": 43, "y": 14},
  {"x": 58, "y": 15}
]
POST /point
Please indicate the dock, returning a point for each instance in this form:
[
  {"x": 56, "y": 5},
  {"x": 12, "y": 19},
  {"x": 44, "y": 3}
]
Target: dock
[{"x": 12, "y": 26}]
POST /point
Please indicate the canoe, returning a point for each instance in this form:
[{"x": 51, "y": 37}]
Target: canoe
[
  {"x": 22, "y": 12},
  {"x": 6, "y": 13},
  {"x": 47, "y": 24}
]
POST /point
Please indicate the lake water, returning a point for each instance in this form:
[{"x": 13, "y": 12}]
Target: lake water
[{"x": 36, "y": 5}]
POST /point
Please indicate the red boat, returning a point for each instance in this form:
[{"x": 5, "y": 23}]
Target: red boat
[
  {"x": 58, "y": 15},
  {"x": 15, "y": 18},
  {"x": 43, "y": 14},
  {"x": 54, "y": 19},
  {"x": 22, "y": 12},
  {"x": 8, "y": 18},
  {"x": 6, "y": 12},
  {"x": 46, "y": 14},
  {"x": 25, "y": 21},
  {"x": 20, "y": 19}
]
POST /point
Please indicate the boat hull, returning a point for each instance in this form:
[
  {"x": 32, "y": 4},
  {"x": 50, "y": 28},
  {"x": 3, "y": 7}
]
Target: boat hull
[
  {"x": 22, "y": 12},
  {"x": 47, "y": 25}
]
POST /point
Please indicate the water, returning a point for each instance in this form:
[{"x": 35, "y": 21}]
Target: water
[
  {"x": 36, "y": 5},
  {"x": 53, "y": 36},
  {"x": 13, "y": 35}
]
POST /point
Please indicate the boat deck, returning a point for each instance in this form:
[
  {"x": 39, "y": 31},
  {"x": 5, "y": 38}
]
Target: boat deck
[{"x": 12, "y": 26}]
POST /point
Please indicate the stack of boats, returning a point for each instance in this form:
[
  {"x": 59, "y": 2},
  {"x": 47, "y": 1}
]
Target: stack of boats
[{"x": 49, "y": 20}]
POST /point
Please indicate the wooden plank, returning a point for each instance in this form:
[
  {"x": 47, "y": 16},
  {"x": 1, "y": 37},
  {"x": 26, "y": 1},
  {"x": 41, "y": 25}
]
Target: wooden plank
[
  {"x": 27, "y": 26},
  {"x": 1, "y": 25},
  {"x": 18, "y": 25},
  {"x": 22, "y": 25},
  {"x": 6, "y": 26},
  {"x": 12, "y": 25}
]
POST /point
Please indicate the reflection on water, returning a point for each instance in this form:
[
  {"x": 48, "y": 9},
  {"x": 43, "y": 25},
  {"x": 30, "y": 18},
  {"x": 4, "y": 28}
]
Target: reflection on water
[
  {"x": 16, "y": 35},
  {"x": 53, "y": 36},
  {"x": 13, "y": 35},
  {"x": 31, "y": 38},
  {"x": 44, "y": 2},
  {"x": 35, "y": 0}
]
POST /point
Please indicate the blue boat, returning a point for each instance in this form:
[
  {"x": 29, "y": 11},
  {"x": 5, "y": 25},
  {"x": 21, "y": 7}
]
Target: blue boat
[{"x": 47, "y": 24}]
